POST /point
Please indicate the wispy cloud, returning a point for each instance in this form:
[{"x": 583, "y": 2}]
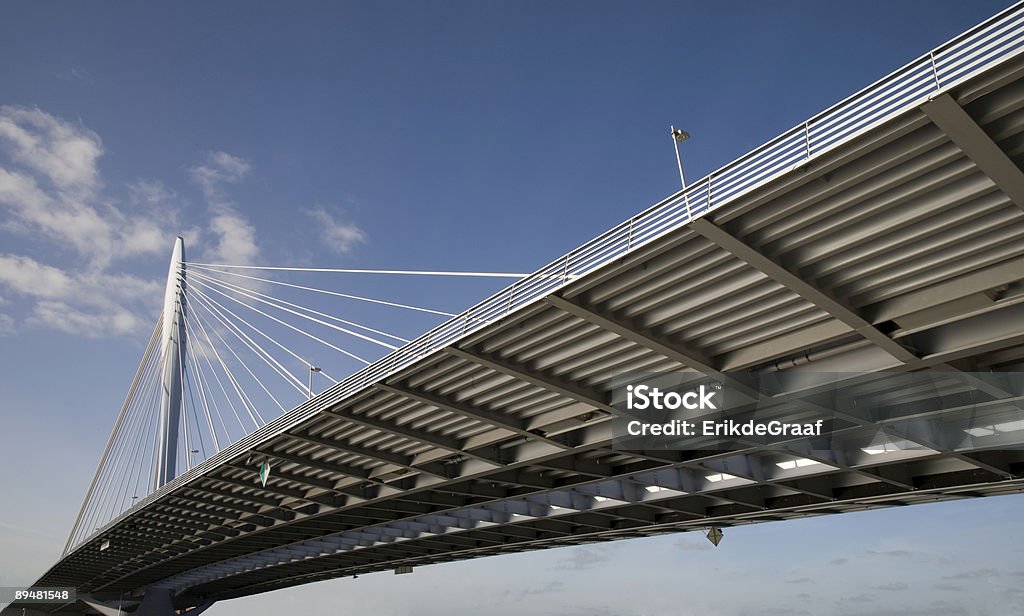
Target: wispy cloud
[
  {"x": 549, "y": 588},
  {"x": 935, "y": 608},
  {"x": 861, "y": 598},
  {"x": 51, "y": 187},
  {"x": 973, "y": 574},
  {"x": 60, "y": 152},
  {"x": 591, "y": 610},
  {"x": 219, "y": 169},
  {"x": 892, "y": 587},
  {"x": 52, "y": 194},
  {"x": 889, "y": 553},
  {"x": 76, "y": 74},
  {"x": 6, "y": 325},
  {"x": 87, "y": 303},
  {"x": 339, "y": 236},
  {"x": 234, "y": 236},
  {"x": 585, "y": 558},
  {"x": 29, "y": 277}
]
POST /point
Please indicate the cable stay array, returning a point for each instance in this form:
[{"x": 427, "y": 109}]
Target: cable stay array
[{"x": 243, "y": 349}]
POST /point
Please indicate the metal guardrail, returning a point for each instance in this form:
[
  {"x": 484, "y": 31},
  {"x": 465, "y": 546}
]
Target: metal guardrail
[{"x": 988, "y": 44}]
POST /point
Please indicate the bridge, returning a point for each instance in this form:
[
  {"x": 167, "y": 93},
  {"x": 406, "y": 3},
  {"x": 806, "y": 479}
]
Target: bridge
[{"x": 884, "y": 236}]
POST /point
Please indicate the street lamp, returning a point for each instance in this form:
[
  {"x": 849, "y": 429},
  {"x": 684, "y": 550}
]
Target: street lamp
[
  {"x": 678, "y": 136},
  {"x": 312, "y": 369}
]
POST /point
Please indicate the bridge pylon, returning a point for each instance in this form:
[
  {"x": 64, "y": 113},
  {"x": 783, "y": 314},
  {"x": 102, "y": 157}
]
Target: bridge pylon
[{"x": 172, "y": 349}]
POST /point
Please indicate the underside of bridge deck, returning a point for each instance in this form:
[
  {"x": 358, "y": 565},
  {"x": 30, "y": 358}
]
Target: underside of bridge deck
[{"x": 902, "y": 250}]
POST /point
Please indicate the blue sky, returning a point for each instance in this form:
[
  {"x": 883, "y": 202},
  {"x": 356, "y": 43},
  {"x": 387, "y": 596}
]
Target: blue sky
[{"x": 460, "y": 135}]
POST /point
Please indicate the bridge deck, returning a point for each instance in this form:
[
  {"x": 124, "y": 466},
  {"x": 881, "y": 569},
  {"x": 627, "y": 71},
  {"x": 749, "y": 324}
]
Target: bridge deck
[{"x": 900, "y": 248}]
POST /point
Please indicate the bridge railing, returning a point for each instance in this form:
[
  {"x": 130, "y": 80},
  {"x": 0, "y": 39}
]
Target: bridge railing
[{"x": 979, "y": 49}]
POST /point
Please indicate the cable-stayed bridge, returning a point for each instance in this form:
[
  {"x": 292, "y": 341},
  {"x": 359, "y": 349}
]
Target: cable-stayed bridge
[{"x": 884, "y": 235}]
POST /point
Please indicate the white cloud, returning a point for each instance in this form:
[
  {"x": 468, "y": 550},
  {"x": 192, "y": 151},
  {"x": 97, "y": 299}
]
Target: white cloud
[
  {"x": 153, "y": 194},
  {"x": 61, "y": 152},
  {"x": 6, "y": 325},
  {"x": 51, "y": 188},
  {"x": 234, "y": 236},
  {"x": 340, "y": 236},
  {"x": 76, "y": 73},
  {"x": 232, "y": 167},
  {"x": 220, "y": 168},
  {"x": 20, "y": 192},
  {"x": 85, "y": 303},
  {"x": 29, "y": 277},
  {"x": 52, "y": 194},
  {"x": 91, "y": 324}
]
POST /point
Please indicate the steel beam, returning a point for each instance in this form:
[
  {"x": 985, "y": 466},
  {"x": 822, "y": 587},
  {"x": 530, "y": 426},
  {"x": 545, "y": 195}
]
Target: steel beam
[
  {"x": 975, "y": 143},
  {"x": 495, "y": 419},
  {"x": 691, "y": 358},
  {"x": 550, "y": 383},
  {"x": 378, "y": 455},
  {"x": 801, "y": 287}
]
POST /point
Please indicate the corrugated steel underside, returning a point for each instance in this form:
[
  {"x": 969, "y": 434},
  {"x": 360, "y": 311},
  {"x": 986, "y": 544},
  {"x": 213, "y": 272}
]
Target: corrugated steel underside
[{"x": 896, "y": 252}]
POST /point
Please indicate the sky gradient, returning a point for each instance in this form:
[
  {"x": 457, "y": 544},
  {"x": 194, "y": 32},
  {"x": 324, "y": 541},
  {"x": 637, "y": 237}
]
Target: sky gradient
[{"x": 488, "y": 136}]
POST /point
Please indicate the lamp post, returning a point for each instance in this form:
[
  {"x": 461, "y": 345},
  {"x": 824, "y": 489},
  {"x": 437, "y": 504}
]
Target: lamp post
[
  {"x": 678, "y": 136},
  {"x": 312, "y": 369}
]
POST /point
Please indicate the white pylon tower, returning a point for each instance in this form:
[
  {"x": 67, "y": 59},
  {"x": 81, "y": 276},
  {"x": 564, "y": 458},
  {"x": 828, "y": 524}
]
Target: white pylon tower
[{"x": 172, "y": 351}]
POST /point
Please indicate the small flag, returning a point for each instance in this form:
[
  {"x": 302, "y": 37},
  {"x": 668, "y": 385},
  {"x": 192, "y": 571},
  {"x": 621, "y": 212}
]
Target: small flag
[{"x": 264, "y": 473}]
